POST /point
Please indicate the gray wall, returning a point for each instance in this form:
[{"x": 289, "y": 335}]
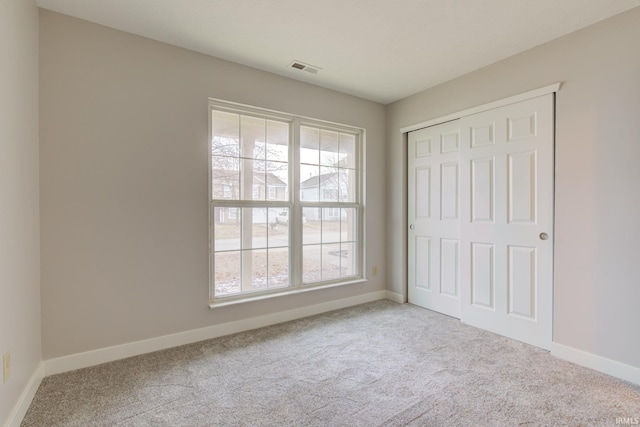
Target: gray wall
[
  {"x": 124, "y": 183},
  {"x": 597, "y": 200},
  {"x": 19, "y": 212}
]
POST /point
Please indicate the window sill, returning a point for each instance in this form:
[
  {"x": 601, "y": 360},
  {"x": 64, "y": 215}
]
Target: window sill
[{"x": 284, "y": 293}]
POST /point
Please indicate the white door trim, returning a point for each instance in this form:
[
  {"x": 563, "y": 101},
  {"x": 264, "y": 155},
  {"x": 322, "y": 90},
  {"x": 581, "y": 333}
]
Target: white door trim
[{"x": 484, "y": 107}]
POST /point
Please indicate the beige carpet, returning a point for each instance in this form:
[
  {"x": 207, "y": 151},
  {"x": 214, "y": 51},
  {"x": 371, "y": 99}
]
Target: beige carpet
[{"x": 378, "y": 364}]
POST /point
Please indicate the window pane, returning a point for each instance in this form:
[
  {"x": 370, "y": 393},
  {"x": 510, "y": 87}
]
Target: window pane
[
  {"x": 278, "y": 268},
  {"x": 254, "y": 266},
  {"x": 256, "y": 191},
  {"x": 226, "y": 229},
  {"x": 329, "y": 188},
  {"x": 255, "y": 236},
  {"x": 225, "y": 178},
  {"x": 277, "y": 177},
  {"x": 252, "y": 180},
  {"x": 277, "y": 141},
  {"x": 349, "y": 258},
  {"x": 311, "y": 267},
  {"x": 330, "y": 225},
  {"x": 347, "y": 185},
  {"x": 278, "y": 234},
  {"x": 309, "y": 183},
  {"x": 309, "y": 145},
  {"x": 311, "y": 227},
  {"x": 252, "y": 134},
  {"x": 331, "y": 256},
  {"x": 348, "y": 225},
  {"x": 347, "y": 151},
  {"x": 329, "y": 148},
  {"x": 227, "y": 278},
  {"x": 225, "y": 134}
]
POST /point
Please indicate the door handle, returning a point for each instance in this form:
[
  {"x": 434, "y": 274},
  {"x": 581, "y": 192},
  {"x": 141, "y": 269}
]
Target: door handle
[
  {"x": 544, "y": 236},
  {"x": 411, "y": 227}
]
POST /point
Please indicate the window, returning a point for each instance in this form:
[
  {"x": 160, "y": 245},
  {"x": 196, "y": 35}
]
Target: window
[{"x": 291, "y": 190}]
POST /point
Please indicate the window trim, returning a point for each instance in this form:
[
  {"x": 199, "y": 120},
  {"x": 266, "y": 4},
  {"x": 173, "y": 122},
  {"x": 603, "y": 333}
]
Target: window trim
[{"x": 294, "y": 203}]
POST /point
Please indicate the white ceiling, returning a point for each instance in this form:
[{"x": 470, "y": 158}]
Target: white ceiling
[{"x": 382, "y": 50}]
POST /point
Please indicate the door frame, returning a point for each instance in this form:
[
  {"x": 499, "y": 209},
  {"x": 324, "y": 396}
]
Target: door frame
[{"x": 480, "y": 108}]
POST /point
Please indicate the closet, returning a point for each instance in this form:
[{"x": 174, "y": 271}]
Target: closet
[{"x": 480, "y": 216}]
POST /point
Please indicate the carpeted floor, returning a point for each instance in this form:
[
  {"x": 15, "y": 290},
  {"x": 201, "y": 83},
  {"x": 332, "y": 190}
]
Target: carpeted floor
[{"x": 378, "y": 364}]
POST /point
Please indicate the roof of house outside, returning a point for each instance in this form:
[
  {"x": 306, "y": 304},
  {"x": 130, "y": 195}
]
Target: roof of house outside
[{"x": 315, "y": 181}]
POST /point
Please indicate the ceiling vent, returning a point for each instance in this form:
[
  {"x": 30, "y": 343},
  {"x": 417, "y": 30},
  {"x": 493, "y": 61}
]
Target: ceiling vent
[{"x": 298, "y": 65}]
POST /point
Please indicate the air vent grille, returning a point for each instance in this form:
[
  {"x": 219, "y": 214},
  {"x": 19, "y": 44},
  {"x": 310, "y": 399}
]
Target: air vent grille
[{"x": 299, "y": 65}]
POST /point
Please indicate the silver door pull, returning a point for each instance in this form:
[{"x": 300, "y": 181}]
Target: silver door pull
[
  {"x": 544, "y": 236},
  {"x": 411, "y": 226}
]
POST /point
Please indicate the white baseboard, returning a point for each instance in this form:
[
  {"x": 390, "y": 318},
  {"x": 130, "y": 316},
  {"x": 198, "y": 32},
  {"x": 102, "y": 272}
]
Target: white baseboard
[
  {"x": 395, "y": 297},
  {"x": 20, "y": 410},
  {"x": 109, "y": 354},
  {"x": 598, "y": 363}
]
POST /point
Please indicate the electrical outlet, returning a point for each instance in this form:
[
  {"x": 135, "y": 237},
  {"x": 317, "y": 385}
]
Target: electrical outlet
[
  {"x": 374, "y": 271},
  {"x": 6, "y": 367}
]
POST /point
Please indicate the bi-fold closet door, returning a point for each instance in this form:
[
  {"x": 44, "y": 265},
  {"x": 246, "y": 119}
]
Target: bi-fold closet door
[{"x": 480, "y": 215}]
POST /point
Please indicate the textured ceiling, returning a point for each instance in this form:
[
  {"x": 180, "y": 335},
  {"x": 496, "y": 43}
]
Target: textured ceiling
[{"x": 380, "y": 50}]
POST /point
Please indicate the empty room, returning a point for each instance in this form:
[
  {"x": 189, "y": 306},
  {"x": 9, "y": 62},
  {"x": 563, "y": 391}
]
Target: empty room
[{"x": 358, "y": 212}]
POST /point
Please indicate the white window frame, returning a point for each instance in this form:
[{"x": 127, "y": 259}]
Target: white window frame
[{"x": 294, "y": 203}]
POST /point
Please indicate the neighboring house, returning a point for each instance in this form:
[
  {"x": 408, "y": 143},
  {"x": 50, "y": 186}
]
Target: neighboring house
[
  {"x": 326, "y": 187},
  {"x": 226, "y": 185}
]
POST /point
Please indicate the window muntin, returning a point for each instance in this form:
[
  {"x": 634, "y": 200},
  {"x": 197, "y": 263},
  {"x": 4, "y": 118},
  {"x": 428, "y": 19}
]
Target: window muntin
[{"x": 266, "y": 237}]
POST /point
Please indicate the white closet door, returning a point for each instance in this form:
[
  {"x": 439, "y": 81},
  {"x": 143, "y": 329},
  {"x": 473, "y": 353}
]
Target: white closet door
[
  {"x": 434, "y": 218},
  {"x": 506, "y": 226}
]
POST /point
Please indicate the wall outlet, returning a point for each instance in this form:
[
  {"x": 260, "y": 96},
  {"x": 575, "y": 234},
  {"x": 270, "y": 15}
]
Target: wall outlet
[
  {"x": 6, "y": 367},
  {"x": 374, "y": 271}
]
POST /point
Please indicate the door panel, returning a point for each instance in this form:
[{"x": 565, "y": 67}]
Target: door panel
[
  {"x": 506, "y": 171},
  {"x": 482, "y": 190},
  {"x": 449, "y": 191},
  {"x": 521, "y": 180},
  {"x": 482, "y": 277},
  {"x": 434, "y": 216},
  {"x": 422, "y": 193},
  {"x": 449, "y": 267},
  {"x": 423, "y": 269},
  {"x": 522, "y": 281}
]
